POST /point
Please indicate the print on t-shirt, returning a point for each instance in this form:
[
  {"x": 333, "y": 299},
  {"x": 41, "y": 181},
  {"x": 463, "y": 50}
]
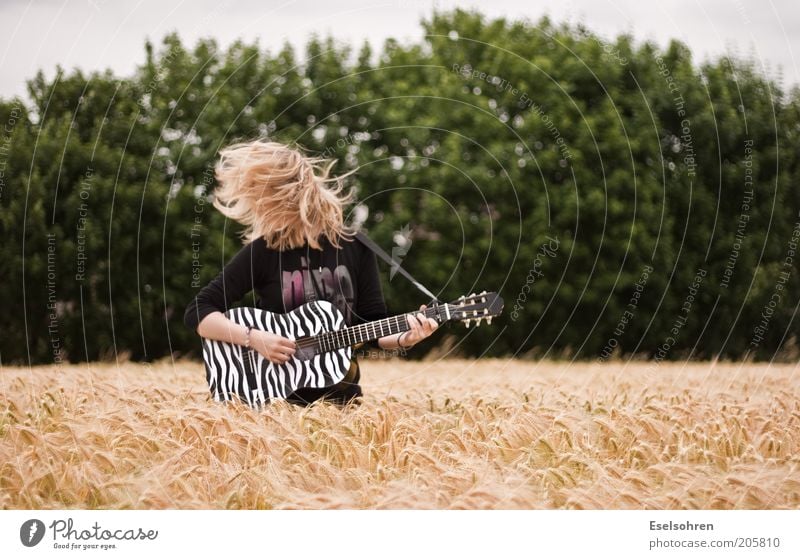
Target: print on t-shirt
[{"x": 336, "y": 286}]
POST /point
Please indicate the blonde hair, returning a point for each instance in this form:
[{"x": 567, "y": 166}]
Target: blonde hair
[{"x": 280, "y": 194}]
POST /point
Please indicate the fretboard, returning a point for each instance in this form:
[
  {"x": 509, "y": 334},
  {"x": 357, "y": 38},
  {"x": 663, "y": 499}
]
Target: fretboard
[{"x": 352, "y": 335}]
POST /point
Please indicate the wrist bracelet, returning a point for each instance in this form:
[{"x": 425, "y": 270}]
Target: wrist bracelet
[{"x": 400, "y": 337}]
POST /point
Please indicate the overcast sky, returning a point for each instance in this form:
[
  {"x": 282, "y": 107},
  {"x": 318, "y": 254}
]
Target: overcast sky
[{"x": 98, "y": 34}]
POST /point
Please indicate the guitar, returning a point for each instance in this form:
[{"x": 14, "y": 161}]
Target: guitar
[{"x": 323, "y": 346}]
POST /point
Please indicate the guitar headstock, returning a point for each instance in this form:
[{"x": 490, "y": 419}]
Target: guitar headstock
[{"x": 476, "y": 307}]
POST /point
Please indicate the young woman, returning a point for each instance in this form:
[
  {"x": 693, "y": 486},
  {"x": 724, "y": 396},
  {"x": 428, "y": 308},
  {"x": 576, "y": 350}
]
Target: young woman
[{"x": 297, "y": 248}]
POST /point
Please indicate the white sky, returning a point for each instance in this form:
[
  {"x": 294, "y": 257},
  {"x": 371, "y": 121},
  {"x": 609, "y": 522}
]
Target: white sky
[{"x": 99, "y": 34}]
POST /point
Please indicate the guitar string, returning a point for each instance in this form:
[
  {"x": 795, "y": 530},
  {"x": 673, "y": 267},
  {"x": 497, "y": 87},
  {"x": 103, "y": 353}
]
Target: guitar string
[
  {"x": 360, "y": 330},
  {"x": 347, "y": 332},
  {"x": 364, "y": 329}
]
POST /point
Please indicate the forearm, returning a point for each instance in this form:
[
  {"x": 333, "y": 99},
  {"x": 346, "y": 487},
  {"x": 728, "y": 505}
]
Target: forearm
[
  {"x": 216, "y": 326},
  {"x": 393, "y": 342},
  {"x": 273, "y": 347}
]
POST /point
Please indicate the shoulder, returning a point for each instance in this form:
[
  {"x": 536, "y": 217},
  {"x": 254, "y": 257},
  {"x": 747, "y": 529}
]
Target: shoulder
[
  {"x": 258, "y": 245},
  {"x": 255, "y": 251},
  {"x": 260, "y": 248},
  {"x": 355, "y": 246}
]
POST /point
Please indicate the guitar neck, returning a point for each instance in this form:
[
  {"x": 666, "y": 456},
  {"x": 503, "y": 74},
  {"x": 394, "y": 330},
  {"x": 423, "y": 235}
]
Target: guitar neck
[{"x": 352, "y": 335}]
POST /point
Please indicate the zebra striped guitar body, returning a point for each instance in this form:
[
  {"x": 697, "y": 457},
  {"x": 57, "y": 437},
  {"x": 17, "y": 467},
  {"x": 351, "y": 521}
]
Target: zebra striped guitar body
[
  {"x": 323, "y": 347},
  {"x": 234, "y": 370}
]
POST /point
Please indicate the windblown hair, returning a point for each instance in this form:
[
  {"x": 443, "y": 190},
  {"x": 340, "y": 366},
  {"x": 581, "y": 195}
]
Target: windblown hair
[{"x": 280, "y": 194}]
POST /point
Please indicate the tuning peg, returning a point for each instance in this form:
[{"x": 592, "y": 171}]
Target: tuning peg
[
  {"x": 482, "y": 292},
  {"x": 488, "y": 320},
  {"x": 478, "y": 322},
  {"x": 466, "y": 323}
]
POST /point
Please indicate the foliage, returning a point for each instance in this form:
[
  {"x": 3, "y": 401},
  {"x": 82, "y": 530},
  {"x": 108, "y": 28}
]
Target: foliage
[{"x": 487, "y": 140}]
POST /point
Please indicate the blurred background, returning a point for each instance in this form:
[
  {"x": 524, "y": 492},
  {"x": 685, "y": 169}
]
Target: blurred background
[{"x": 624, "y": 174}]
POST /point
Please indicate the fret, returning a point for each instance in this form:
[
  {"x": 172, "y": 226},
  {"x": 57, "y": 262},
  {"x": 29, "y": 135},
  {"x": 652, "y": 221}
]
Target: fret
[{"x": 336, "y": 339}]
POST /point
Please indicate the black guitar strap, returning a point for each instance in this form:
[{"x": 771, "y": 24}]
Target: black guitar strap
[
  {"x": 393, "y": 263},
  {"x": 312, "y": 289}
]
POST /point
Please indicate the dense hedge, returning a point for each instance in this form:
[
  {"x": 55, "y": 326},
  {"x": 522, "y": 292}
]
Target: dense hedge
[{"x": 622, "y": 198}]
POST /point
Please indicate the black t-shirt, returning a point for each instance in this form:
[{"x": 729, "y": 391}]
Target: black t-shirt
[{"x": 281, "y": 281}]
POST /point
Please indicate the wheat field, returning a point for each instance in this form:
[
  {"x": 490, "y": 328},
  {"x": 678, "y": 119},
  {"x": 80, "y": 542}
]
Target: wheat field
[{"x": 432, "y": 434}]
